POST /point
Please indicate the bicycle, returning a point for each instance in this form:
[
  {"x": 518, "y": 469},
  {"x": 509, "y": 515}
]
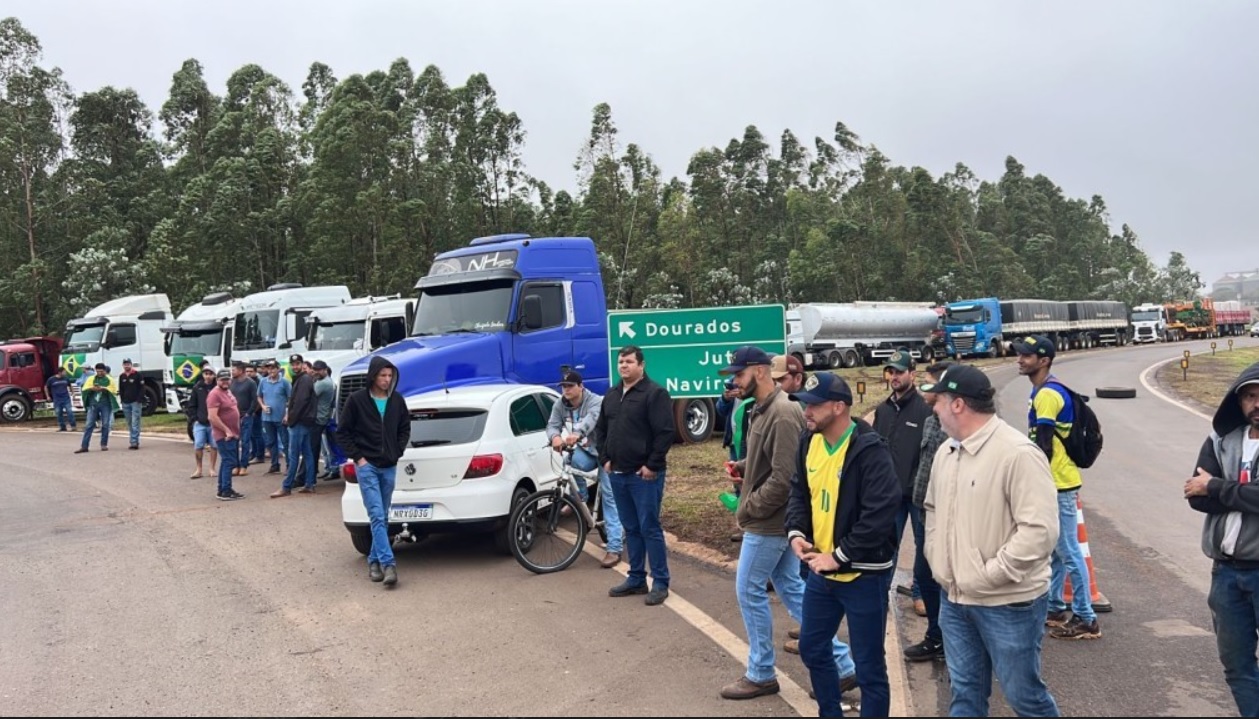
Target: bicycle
[{"x": 539, "y": 523}]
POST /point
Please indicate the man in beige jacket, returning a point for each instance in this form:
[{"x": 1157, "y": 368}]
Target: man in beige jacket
[{"x": 991, "y": 526}]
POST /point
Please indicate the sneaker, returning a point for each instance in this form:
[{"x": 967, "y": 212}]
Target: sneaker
[
  {"x": 792, "y": 646},
  {"x": 306, "y": 490},
  {"x": 747, "y": 689},
  {"x": 1077, "y": 629},
  {"x": 625, "y": 589},
  {"x": 229, "y": 496},
  {"x": 391, "y": 576},
  {"x": 134, "y": 446},
  {"x": 656, "y": 596},
  {"x": 925, "y": 651},
  {"x": 375, "y": 573},
  {"x": 1056, "y": 619},
  {"x": 236, "y": 495}
]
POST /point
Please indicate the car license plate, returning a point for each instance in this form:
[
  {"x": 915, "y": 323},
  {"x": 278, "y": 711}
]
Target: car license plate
[{"x": 410, "y": 511}]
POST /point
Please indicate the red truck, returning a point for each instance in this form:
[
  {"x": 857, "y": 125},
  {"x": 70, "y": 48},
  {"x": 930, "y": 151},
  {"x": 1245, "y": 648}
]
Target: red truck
[{"x": 25, "y": 366}]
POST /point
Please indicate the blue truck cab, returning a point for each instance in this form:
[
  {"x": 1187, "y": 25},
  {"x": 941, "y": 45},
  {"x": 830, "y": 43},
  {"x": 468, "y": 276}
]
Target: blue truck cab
[
  {"x": 506, "y": 308},
  {"x": 973, "y": 327}
]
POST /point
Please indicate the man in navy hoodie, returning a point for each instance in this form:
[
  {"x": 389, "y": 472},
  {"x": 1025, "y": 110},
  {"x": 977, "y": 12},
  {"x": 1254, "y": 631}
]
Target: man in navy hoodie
[
  {"x": 1223, "y": 487},
  {"x": 374, "y": 429}
]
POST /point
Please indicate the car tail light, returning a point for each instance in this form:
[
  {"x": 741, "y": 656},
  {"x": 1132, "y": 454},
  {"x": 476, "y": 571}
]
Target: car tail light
[
  {"x": 484, "y": 465},
  {"x": 349, "y": 472}
]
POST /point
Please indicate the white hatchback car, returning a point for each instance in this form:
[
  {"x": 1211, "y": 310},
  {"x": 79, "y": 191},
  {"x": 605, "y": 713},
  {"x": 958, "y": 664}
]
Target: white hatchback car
[{"x": 476, "y": 451}]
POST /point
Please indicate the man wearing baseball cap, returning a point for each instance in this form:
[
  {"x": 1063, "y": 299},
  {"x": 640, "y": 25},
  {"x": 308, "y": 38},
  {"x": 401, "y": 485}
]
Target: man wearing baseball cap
[
  {"x": 787, "y": 371},
  {"x": 224, "y": 415},
  {"x": 992, "y": 522},
  {"x": 841, "y": 521},
  {"x": 1049, "y": 419},
  {"x": 1223, "y": 488}
]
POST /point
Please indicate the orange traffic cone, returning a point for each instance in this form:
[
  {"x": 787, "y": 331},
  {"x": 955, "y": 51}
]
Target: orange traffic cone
[{"x": 1100, "y": 603}]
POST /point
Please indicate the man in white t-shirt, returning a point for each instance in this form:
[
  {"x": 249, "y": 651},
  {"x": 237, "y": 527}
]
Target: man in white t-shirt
[{"x": 1223, "y": 488}]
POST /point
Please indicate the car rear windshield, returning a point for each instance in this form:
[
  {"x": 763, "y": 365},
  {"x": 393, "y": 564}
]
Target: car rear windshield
[{"x": 431, "y": 427}]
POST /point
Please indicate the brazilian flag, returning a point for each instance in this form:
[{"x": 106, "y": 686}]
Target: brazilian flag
[
  {"x": 73, "y": 364},
  {"x": 186, "y": 369}
]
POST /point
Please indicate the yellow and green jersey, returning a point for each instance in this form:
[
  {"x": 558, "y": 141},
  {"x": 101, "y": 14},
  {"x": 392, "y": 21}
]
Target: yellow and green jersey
[
  {"x": 824, "y": 465},
  {"x": 1050, "y": 411}
]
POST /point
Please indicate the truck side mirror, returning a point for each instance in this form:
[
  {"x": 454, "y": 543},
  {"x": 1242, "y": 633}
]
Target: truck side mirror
[{"x": 531, "y": 312}]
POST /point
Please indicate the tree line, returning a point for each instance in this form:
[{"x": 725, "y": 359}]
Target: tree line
[{"x": 361, "y": 180}]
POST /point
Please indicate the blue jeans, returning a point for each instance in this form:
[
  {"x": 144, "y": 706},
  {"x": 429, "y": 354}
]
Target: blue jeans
[
  {"x": 1005, "y": 640},
  {"x": 65, "y": 413},
  {"x": 638, "y": 502},
  {"x": 258, "y": 440},
  {"x": 763, "y": 558},
  {"x": 300, "y": 453},
  {"x": 925, "y": 585},
  {"x": 826, "y": 603},
  {"x": 277, "y": 441},
  {"x": 131, "y": 412},
  {"x": 246, "y": 442},
  {"x": 333, "y": 456},
  {"x": 376, "y": 485},
  {"x": 611, "y": 517},
  {"x": 104, "y": 415},
  {"x": 1234, "y": 603},
  {"x": 1068, "y": 559},
  {"x": 229, "y": 459}
]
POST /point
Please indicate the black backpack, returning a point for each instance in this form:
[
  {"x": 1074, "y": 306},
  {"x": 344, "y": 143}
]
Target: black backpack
[{"x": 1084, "y": 442}]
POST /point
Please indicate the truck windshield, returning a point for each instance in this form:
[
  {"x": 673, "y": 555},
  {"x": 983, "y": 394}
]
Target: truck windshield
[
  {"x": 973, "y": 315},
  {"x": 475, "y": 307},
  {"x": 256, "y": 330},
  {"x": 84, "y": 339},
  {"x": 197, "y": 343},
  {"x": 1145, "y": 316},
  {"x": 338, "y": 336}
]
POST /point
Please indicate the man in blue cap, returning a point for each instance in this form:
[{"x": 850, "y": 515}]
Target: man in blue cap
[{"x": 841, "y": 521}]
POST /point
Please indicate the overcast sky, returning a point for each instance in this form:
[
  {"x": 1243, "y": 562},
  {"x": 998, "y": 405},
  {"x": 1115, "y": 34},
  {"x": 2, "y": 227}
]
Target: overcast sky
[{"x": 1150, "y": 104}]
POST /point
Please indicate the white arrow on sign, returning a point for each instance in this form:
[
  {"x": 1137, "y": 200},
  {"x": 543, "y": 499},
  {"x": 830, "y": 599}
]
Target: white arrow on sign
[{"x": 627, "y": 329}]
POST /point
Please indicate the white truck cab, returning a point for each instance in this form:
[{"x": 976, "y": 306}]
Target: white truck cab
[
  {"x": 341, "y": 334},
  {"x": 201, "y": 333},
  {"x": 272, "y": 324},
  {"x": 123, "y": 328}
]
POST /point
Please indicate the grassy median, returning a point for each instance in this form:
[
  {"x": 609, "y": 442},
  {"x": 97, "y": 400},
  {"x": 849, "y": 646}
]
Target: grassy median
[{"x": 1207, "y": 379}]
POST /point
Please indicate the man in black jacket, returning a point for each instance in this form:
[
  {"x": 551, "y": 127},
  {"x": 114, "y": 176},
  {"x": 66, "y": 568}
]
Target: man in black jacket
[
  {"x": 634, "y": 433},
  {"x": 841, "y": 521},
  {"x": 199, "y": 412},
  {"x": 374, "y": 428},
  {"x": 299, "y": 417}
]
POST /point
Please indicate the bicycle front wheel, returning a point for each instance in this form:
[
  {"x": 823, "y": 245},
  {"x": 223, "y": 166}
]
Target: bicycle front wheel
[{"x": 547, "y": 532}]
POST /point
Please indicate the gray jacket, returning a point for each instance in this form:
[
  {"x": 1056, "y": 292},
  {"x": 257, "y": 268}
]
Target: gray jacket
[
  {"x": 1220, "y": 457},
  {"x": 583, "y": 416}
]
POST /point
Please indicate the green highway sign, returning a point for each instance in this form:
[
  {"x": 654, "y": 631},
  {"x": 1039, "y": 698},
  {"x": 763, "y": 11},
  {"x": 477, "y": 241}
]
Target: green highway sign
[{"x": 684, "y": 349}]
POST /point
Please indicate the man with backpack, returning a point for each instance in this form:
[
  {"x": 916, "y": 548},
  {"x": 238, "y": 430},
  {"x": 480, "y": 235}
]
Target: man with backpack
[{"x": 1053, "y": 411}]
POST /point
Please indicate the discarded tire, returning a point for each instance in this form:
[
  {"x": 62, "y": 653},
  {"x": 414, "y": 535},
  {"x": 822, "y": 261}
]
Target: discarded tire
[{"x": 1116, "y": 392}]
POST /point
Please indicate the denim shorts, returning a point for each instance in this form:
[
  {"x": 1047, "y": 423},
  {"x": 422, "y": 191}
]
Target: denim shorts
[{"x": 201, "y": 437}]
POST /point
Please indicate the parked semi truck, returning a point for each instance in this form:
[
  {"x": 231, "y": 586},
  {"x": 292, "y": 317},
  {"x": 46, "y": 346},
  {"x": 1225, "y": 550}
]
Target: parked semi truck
[
  {"x": 340, "y": 334},
  {"x": 513, "y": 308},
  {"x": 1231, "y": 319},
  {"x": 1097, "y": 323},
  {"x": 25, "y": 366},
  {"x": 272, "y": 324},
  {"x": 1149, "y": 323},
  {"x": 1191, "y": 319},
  {"x": 201, "y": 333},
  {"x": 853, "y": 334},
  {"x": 986, "y": 327},
  {"x": 124, "y": 328}
]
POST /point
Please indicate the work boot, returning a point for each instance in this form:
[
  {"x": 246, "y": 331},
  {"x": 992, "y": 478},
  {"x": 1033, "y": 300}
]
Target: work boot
[
  {"x": 391, "y": 576},
  {"x": 747, "y": 689},
  {"x": 625, "y": 589},
  {"x": 374, "y": 572}
]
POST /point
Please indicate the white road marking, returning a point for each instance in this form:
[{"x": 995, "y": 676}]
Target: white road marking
[{"x": 1145, "y": 381}]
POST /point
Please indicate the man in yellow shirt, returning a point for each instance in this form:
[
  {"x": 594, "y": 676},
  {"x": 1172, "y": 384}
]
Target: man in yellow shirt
[
  {"x": 841, "y": 521},
  {"x": 1049, "y": 420}
]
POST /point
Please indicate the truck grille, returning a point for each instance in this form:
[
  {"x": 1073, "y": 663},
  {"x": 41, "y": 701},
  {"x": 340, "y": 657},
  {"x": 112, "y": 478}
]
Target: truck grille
[
  {"x": 348, "y": 385},
  {"x": 963, "y": 345}
]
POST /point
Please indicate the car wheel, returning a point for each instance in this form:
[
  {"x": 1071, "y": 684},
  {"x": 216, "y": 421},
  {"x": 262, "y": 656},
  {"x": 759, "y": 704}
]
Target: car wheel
[
  {"x": 361, "y": 536},
  {"x": 502, "y": 535},
  {"x": 1116, "y": 392}
]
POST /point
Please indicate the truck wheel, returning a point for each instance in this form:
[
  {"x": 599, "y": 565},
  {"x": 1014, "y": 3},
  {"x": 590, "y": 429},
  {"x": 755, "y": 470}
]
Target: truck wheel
[
  {"x": 852, "y": 359},
  {"x": 834, "y": 360},
  {"x": 14, "y": 408},
  {"x": 800, "y": 358},
  {"x": 693, "y": 419},
  {"x": 361, "y": 537},
  {"x": 152, "y": 400},
  {"x": 1115, "y": 392},
  {"x": 926, "y": 354}
]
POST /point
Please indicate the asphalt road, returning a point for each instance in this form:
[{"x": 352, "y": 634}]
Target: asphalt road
[
  {"x": 127, "y": 589},
  {"x": 1157, "y": 654}
]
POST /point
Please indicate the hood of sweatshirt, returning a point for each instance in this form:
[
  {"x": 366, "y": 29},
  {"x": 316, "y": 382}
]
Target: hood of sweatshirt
[
  {"x": 379, "y": 363},
  {"x": 1229, "y": 416}
]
